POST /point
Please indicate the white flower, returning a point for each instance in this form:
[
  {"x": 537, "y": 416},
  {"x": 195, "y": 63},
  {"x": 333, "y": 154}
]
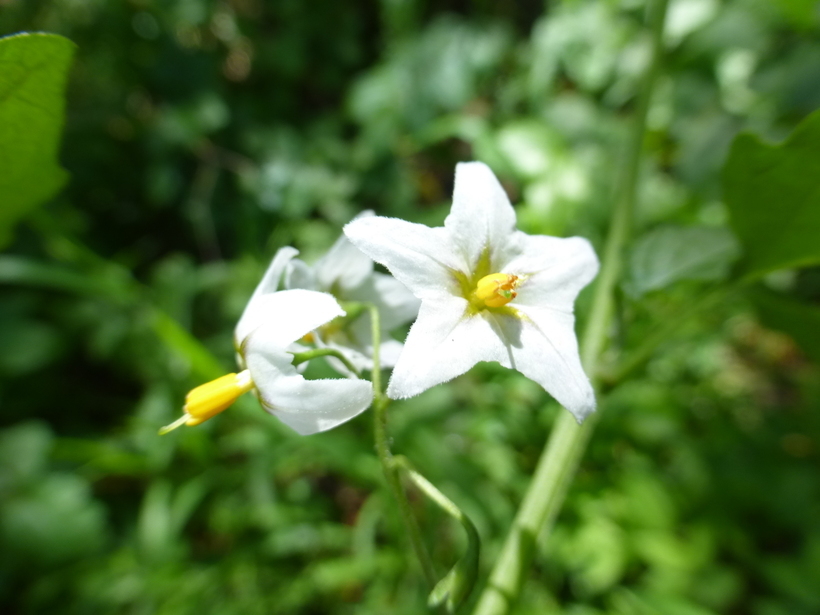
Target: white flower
[
  {"x": 270, "y": 325},
  {"x": 307, "y": 406},
  {"x": 488, "y": 292},
  {"x": 348, "y": 275}
]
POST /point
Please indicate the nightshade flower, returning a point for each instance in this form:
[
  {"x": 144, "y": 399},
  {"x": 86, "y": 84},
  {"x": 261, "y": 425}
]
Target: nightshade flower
[
  {"x": 347, "y": 274},
  {"x": 488, "y": 293},
  {"x": 269, "y": 326}
]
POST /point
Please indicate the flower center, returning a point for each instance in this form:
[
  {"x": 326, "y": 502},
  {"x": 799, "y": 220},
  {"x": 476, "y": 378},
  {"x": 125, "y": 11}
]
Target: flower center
[
  {"x": 208, "y": 400},
  {"x": 496, "y": 289}
]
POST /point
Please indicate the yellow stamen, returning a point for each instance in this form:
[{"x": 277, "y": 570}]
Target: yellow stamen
[
  {"x": 496, "y": 289},
  {"x": 210, "y": 399}
]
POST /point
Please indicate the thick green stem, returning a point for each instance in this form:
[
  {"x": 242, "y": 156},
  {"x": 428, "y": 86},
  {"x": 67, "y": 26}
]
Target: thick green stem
[
  {"x": 568, "y": 440},
  {"x": 380, "y": 403}
]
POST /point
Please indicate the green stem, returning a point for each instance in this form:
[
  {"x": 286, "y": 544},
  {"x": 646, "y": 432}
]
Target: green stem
[
  {"x": 568, "y": 440},
  {"x": 301, "y": 357},
  {"x": 456, "y": 586},
  {"x": 432, "y": 492},
  {"x": 380, "y": 403},
  {"x": 376, "y": 335}
]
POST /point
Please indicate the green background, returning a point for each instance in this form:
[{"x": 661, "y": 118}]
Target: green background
[{"x": 200, "y": 136}]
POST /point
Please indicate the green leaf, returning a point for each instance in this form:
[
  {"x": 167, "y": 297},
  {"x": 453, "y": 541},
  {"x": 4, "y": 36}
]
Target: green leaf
[
  {"x": 452, "y": 590},
  {"x": 33, "y": 72},
  {"x": 799, "y": 320},
  {"x": 671, "y": 253},
  {"x": 773, "y": 194}
]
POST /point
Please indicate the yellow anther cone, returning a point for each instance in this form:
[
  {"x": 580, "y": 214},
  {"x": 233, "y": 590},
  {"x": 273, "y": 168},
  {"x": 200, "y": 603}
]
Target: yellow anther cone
[
  {"x": 208, "y": 400},
  {"x": 496, "y": 289}
]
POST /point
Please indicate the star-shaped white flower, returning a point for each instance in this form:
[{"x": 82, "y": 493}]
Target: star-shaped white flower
[
  {"x": 488, "y": 293},
  {"x": 268, "y": 329}
]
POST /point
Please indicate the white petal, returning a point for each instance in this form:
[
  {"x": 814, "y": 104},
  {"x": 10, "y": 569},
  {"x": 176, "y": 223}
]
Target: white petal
[
  {"x": 396, "y": 304},
  {"x": 343, "y": 266},
  {"x": 543, "y": 347},
  {"x": 421, "y": 258},
  {"x": 268, "y": 284},
  {"x": 443, "y": 343},
  {"x": 353, "y": 353},
  {"x": 357, "y": 346},
  {"x": 307, "y": 406},
  {"x": 556, "y": 270},
  {"x": 300, "y": 275},
  {"x": 389, "y": 352},
  {"x": 284, "y": 317},
  {"x": 481, "y": 216},
  {"x": 272, "y": 278}
]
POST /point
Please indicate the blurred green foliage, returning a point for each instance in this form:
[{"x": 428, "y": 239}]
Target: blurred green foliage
[{"x": 202, "y": 135}]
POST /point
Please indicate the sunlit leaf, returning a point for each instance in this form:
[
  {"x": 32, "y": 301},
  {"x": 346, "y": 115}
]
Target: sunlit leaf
[
  {"x": 33, "y": 72},
  {"x": 672, "y": 253}
]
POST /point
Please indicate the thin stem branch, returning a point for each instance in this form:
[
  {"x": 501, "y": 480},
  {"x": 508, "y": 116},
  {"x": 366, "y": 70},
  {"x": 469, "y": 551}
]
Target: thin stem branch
[
  {"x": 452, "y": 590},
  {"x": 568, "y": 440},
  {"x": 432, "y": 492},
  {"x": 314, "y": 353},
  {"x": 380, "y": 403}
]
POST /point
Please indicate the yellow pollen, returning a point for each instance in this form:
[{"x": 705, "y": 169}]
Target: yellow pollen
[
  {"x": 208, "y": 400},
  {"x": 496, "y": 289}
]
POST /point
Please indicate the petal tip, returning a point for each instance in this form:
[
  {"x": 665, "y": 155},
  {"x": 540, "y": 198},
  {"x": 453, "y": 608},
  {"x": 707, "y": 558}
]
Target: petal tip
[
  {"x": 401, "y": 390},
  {"x": 582, "y": 411}
]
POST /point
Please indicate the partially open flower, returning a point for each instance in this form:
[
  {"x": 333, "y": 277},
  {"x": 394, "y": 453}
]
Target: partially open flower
[
  {"x": 272, "y": 322},
  {"x": 347, "y": 274},
  {"x": 489, "y": 292}
]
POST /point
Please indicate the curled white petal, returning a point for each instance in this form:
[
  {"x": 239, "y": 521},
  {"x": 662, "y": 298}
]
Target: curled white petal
[
  {"x": 344, "y": 266},
  {"x": 396, "y": 304},
  {"x": 300, "y": 275},
  {"x": 269, "y": 284},
  {"x": 307, "y": 406},
  {"x": 284, "y": 317}
]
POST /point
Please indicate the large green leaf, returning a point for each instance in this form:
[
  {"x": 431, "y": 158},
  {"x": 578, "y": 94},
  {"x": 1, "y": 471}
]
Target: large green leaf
[
  {"x": 668, "y": 254},
  {"x": 773, "y": 194},
  {"x": 33, "y": 71}
]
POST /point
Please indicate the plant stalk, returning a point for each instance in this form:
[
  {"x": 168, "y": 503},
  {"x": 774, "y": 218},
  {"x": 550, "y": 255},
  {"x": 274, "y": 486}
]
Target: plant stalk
[
  {"x": 380, "y": 403},
  {"x": 568, "y": 440}
]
